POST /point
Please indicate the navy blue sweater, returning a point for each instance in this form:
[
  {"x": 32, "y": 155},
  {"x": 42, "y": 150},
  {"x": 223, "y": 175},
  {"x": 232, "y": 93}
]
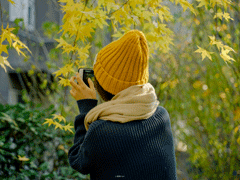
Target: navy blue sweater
[{"x": 136, "y": 150}]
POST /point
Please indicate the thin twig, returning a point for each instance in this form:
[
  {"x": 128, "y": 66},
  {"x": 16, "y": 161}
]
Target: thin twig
[
  {"x": 65, "y": 91},
  {"x": 74, "y": 43},
  {"x": 113, "y": 11},
  {"x": 78, "y": 31},
  {"x": 118, "y": 8},
  {"x": 93, "y": 3}
]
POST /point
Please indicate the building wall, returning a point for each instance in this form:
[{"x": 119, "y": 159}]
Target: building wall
[
  {"x": 3, "y": 86},
  {"x": 47, "y": 10},
  {"x": 44, "y": 11}
]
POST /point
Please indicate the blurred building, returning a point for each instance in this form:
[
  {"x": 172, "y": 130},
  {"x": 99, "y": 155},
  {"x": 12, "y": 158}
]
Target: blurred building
[{"x": 34, "y": 13}]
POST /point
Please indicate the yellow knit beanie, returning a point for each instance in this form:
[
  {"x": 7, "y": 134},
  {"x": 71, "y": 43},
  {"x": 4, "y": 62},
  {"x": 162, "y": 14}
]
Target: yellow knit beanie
[{"x": 123, "y": 63}]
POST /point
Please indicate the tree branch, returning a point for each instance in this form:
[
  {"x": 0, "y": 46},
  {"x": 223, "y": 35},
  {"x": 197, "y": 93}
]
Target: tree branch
[
  {"x": 74, "y": 43},
  {"x": 118, "y": 8}
]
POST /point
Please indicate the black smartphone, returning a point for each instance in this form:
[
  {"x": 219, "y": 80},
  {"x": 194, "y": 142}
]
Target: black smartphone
[{"x": 85, "y": 74}]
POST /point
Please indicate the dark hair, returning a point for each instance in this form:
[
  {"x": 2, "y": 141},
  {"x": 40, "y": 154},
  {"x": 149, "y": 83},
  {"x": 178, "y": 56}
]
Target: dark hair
[{"x": 106, "y": 96}]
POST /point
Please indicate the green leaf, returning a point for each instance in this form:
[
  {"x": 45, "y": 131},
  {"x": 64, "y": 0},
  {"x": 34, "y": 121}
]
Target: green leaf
[
  {"x": 7, "y": 118},
  {"x": 44, "y": 166},
  {"x": 18, "y": 20}
]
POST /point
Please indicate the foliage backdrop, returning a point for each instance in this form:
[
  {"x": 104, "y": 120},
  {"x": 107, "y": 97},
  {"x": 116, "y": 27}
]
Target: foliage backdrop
[{"x": 196, "y": 78}]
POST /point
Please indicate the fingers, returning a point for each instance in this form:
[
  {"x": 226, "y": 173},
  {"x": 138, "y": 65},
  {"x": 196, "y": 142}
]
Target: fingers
[
  {"x": 73, "y": 83},
  {"x": 91, "y": 85},
  {"x": 81, "y": 90},
  {"x": 80, "y": 81}
]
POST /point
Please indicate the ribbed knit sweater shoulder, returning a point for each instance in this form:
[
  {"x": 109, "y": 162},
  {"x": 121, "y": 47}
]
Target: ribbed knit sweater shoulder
[{"x": 136, "y": 150}]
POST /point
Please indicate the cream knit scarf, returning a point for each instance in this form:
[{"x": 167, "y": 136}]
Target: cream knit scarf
[{"x": 137, "y": 102}]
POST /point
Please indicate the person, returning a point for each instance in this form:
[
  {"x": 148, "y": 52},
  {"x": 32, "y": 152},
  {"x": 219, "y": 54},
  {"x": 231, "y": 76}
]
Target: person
[{"x": 129, "y": 135}]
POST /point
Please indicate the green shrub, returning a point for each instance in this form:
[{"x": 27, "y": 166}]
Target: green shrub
[{"x": 30, "y": 150}]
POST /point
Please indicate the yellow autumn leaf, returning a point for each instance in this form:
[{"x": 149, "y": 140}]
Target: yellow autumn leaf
[
  {"x": 225, "y": 56},
  {"x": 223, "y": 3},
  {"x": 73, "y": 21},
  {"x": 213, "y": 39},
  {"x": 83, "y": 52},
  {"x": 204, "y": 53},
  {"x": 3, "y": 48},
  {"x": 197, "y": 84},
  {"x": 6, "y": 35},
  {"x": 100, "y": 22},
  {"x": 196, "y": 71},
  {"x": 197, "y": 22},
  {"x": 64, "y": 70},
  {"x": 61, "y": 42},
  {"x": 64, "y": 82},
  {"x": 218, "y": 15},
  {"x": 18, "y": 48},
  {"x": 68, "y": 128},
  {"x": 89, "y": 13},
  {"x": 228, "y": 48},
  {"x": 3, "y": 62},
  {"x": 238, "y": 140},
  {"x": 237, "y": 114},
  {"x": 7, "y": 28},
  {"x": 161, "y": 15},
  {"x": 203, "y": 3},
  {"x": 22, "y": 158},
  {"x": 223, "y": 15},
  {"x": 164, "y": 13},
  {"x": 206, "y": 93},
  {"x": 227, "y": 16},
  {"x": 85, "y": 31},
  {"x": 114, "y": 25},
  {"x": 61, "y": 147},
  {"x": 193, "y": 97},
  {"x": 59, "y": 117},
  {"x": 48, "y": 121},
  {"x": 219, "y": 44},
  {"x": 12, "y": 2},
  {"x": 236, "y": 129},
  {"x": 164, "y": 85},
  {"x": 18, "y": 45},
  {"x": 118, "y": 34},
  {"x": 58, "y": 125},
  {"x": 222, "y": 95},
  {"x": 65, "y": 46},
  {"x": 185, "y": 4},
  {"x": 213, "y": 3},
  {"x": 174, "y": 83},
  {"x": 150, "y": 36},
  {"x": 30, "y": 72}
]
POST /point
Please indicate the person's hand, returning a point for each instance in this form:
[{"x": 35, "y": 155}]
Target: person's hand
[{"x": 81, "y": 90}]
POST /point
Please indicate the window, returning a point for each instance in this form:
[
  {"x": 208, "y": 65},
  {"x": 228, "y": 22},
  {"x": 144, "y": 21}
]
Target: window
[
  {"x": 23, "y": 9},
  {"x": 31, "y": 11},
  {"x": 32, "y": 85}
]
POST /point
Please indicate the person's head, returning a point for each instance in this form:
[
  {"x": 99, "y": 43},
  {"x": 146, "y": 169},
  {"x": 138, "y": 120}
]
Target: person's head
[
  {"x": 106, "y": 96},
  {"x": 121, "y": 64}
]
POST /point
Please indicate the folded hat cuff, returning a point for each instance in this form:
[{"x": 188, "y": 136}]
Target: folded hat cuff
[{"x": 111, "y": 84}]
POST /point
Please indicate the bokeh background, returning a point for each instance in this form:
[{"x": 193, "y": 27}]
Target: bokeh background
[{"x": 201, "y": 96}]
